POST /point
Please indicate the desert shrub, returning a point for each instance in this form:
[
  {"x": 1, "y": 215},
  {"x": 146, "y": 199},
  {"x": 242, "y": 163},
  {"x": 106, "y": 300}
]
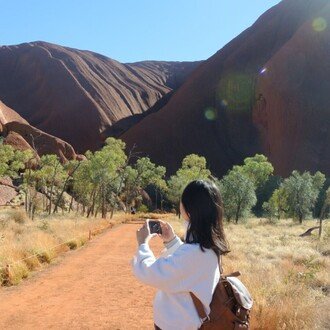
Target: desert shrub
[
  {"x": 72, "y": 244},
  {"x": 45, "y": 256},
  {"x": 44, "y": 225},
  {"x": 32, "y": 262},
  {"x": 19, "y": 216},
  {"x": 143, "y": 208},
  {"x": 13, "y": 275}
]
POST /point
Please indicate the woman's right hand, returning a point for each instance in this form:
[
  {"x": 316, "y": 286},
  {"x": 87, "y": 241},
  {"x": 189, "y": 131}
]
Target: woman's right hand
[{"x": 167, "y": 231}]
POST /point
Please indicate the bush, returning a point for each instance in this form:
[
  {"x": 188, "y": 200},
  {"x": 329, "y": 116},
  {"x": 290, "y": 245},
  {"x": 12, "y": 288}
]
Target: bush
[
  {"x": 45, "y": 256},
  {"x": 44, "y": 225},
  {"x": 143, "y": 208},
  {"x": 19, "y": 216},
  {"x": 14, "y": 275},
  {"x": 32, "y": 263},
  {"x": 73, "y": 244}
]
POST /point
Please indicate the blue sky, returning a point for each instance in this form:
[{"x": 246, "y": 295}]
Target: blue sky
[{"x": 131, "y": 30}]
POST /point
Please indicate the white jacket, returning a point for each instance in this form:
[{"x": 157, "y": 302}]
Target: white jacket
[{"x": 180, "y": 269}]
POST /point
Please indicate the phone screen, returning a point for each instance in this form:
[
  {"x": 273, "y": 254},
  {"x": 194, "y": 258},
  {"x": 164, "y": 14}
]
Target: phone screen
[{"x": 155, "y": 227}]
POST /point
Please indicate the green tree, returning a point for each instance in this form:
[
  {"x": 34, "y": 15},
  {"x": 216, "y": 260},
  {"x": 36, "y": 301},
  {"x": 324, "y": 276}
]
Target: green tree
[
  {"x": 139, "y": 176},
  {"x": 302, "y": 191},
  {"x": 325, "y": 211},
  {"x": 193, "y": 168},
  {"x": 51, "y": 174},
  {"x": 13, "y": 161},
  {"x": 265, "y": 192},
  {"x": 98, "y": 176},
  {"x": 238, "y": 194},
  {"x": 257, "y": 169},
  {"x": 321, "y": 198},
  {"x": 277, "y": 206},
  {"x": 70, "y": 168}
]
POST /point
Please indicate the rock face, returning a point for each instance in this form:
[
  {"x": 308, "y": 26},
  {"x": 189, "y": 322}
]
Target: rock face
[
  {"x": 293, "y": 117},
  {"x": 79, "y": 95},
  {"x": 266, "y": 91},
  {"x": 17, "y": 132},
  {"x": 7, "y": 191}
]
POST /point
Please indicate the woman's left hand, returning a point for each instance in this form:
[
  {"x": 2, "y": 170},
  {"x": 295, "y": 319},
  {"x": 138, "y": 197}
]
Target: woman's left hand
[{"x": 143, "y": 234}]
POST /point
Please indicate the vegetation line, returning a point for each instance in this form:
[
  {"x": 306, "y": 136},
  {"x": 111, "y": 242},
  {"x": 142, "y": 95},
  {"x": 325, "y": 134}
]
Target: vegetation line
[{"x": 51, "y": 248}]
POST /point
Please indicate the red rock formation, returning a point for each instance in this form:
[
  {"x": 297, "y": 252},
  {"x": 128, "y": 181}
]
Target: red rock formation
[
  {"x": 7, "y": 191},
  {"x": 78, "y": 95},
  {"x": 17, "y": 132},
  {"x": 294, "y": 118},
  {"x": 266, "y": 91}
]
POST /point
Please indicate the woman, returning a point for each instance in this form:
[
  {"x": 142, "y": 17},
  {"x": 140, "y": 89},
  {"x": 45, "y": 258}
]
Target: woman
[{"x": 183, "y": 267}]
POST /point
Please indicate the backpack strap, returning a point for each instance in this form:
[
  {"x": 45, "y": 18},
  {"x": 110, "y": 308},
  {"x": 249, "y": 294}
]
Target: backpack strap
[
  {"x": 220, "y": 264},
  {"x": 237, "y": 273},
  {"x": 200, "y": 308}
]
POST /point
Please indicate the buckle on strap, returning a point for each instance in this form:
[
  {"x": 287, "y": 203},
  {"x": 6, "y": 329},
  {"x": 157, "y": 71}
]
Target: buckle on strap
[{"x": 205, "y": 319}]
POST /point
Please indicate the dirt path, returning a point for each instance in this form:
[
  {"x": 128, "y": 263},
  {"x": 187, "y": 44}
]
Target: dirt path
[{"x": 91, "y": 288}]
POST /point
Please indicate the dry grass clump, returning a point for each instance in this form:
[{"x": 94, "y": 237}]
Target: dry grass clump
[
  {"x": 38, "y": 242},
  {"x": 287, "y": 275}
]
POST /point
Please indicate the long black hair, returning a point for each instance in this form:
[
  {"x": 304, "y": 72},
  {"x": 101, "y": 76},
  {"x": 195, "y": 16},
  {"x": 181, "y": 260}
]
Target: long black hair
[{"x": 202, "y": 200}]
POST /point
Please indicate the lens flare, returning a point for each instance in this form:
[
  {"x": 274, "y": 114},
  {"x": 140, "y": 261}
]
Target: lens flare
[
  {"x": 224, "y": 103},
  {"x": 319, "y": 24},
  {"x": 235, "y": 91},
  {"x": 263, "y": 70},
  {"x": 210, "y": 113}
]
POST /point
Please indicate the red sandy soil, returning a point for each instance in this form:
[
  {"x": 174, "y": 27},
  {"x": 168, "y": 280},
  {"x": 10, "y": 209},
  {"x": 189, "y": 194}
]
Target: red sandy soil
[{"x": 91, "y": 288}]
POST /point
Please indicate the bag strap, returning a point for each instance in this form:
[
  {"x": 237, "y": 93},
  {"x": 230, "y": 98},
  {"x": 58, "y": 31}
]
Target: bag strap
[
  {"x": 200, "y": 308},
  {"x": 198, "y": 304},
  {"x": 220, "y": 264}
]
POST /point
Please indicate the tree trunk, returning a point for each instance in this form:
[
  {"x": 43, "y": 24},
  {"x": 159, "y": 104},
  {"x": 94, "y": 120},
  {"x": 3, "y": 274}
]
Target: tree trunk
[
  {"x": 25, "y": 201},
  {"x": 104, "y": 209},
  {"x": 320, "y": 229},
  {"x": 126, "y": 207},
  {"x": 91, "y": 208},
  {"x": 156, "y": 199},
  {"x": 33, "y": 212},
  {"x": 71, "y": 203},
  {"x": 64, "y": 187},
  {"x": 161, "y": 200},
  {"x": 112, "y": 211},
  {"x": 237, "y": 213},
  {"x": 52, "y": 187},
  {"x": 60, "y": 197}
]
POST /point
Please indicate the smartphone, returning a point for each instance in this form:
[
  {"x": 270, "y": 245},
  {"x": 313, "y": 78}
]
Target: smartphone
[{"x": 155, "y": 227}]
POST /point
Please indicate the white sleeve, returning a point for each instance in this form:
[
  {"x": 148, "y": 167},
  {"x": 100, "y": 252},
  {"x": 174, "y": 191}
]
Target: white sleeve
[
  {"x": 165, "y": 273},
  {"x": 169, "y": 249}
]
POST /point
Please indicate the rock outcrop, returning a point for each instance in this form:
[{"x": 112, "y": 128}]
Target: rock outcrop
[
  {"x": 78, "y": 95},
  {"x": 7, "y": 191},
  {"x": 17, "y": 132},
  {"x": 266, "y": 91}
]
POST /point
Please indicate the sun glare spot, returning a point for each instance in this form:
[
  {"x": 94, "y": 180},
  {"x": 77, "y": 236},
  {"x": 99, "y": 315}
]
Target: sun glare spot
[
  {"x": 210, "y": 114},
  {"x": 224, "y": 103},
  {"x": 319, "y": 24}
]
